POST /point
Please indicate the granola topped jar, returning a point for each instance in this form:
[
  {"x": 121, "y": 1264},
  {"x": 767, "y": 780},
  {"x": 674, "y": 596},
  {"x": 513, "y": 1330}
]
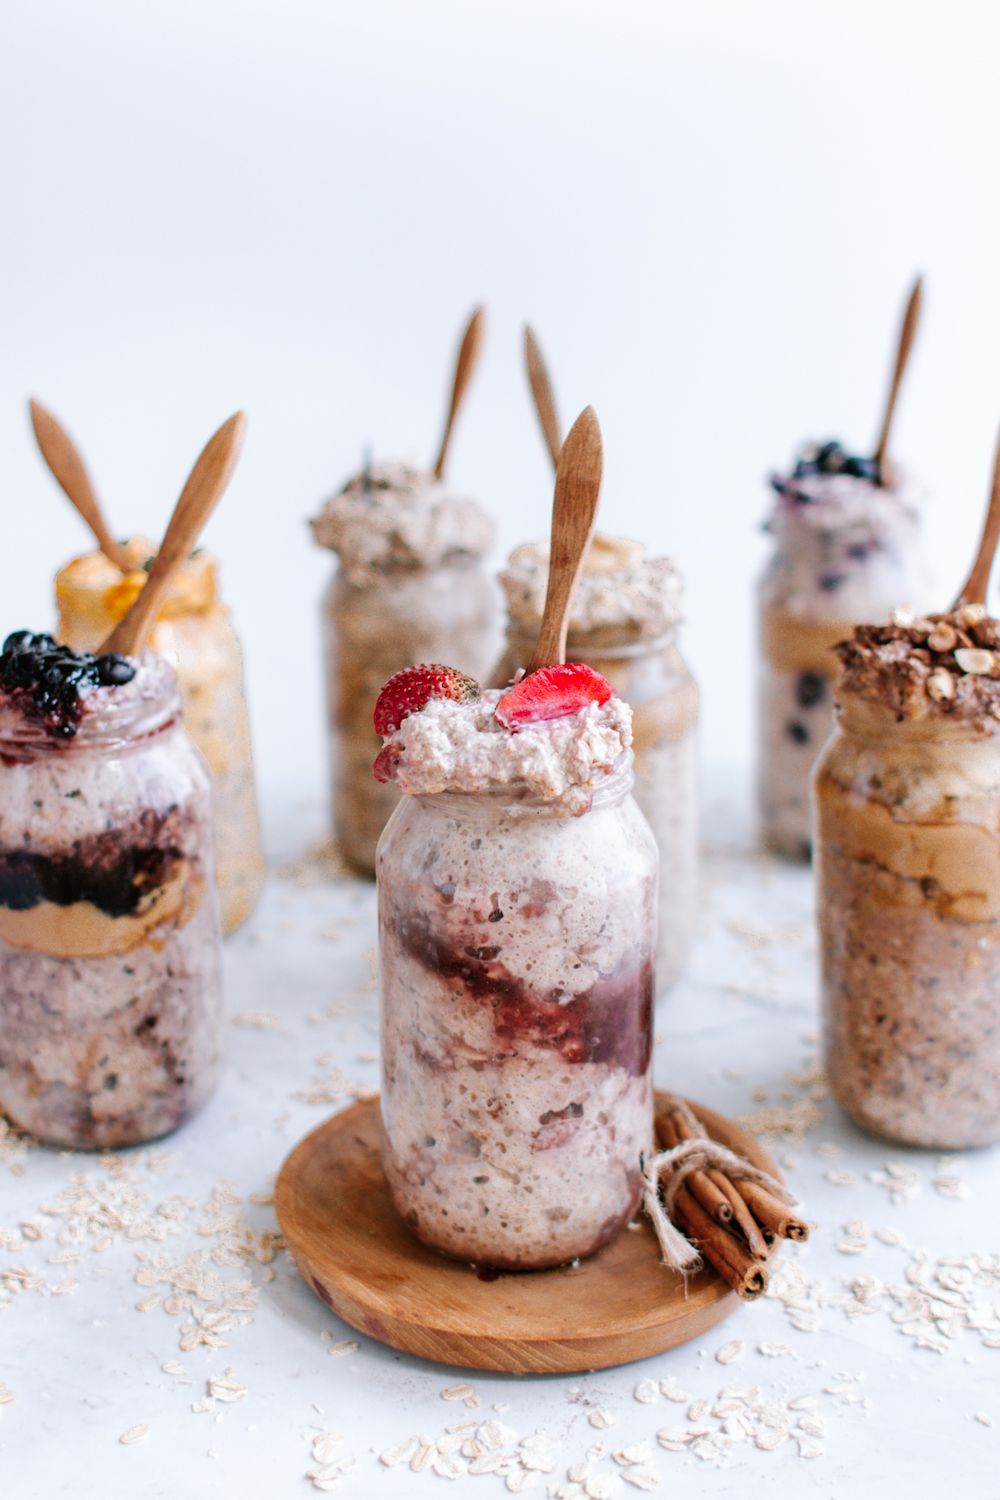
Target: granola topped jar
[
  {"x": 410, "y": 584},
  {"x": 194, "y": 632},
  {"x": 517, "y": 915},
  {"x": 908, "y": 861},
  {"x": 624, "y": 619},
  {"x": 110, "y": 963},
  {"x": 846, "y": 551}
]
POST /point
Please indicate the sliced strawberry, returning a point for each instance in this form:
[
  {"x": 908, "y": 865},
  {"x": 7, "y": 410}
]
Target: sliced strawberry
[
  {"x": 552, "y": 693},
  {"x": 384, "y": 768},
  {"x": 413, "y": 687}
]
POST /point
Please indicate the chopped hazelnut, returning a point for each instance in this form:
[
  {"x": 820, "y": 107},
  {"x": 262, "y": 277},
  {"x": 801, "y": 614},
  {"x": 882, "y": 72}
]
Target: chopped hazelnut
[
  {"x": 974, "y": 660},
  {"x": 971, "y": 614},
  {"x": 903, "y": 615},
  {"x": 942, "y": 637},
  {"x": 941, "y": 686}
]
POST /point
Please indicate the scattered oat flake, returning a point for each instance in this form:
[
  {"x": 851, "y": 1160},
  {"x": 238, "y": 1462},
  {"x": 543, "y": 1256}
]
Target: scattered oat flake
[
  {"x": 647, "y": 1391},
  {"x": 841, "y": 1177},
  {"x": 641, "y": 1477},
  {"x": 775, "y": 1351},
  {"x": 134, "y": 1434},
  {"x": 172, "y": 1367},
  {"x": 602, "y": 1486},
  {"x": 455, "y": 1392},
  {"x": 731, "y": 1352},
  {"x": 343, "y": 1347},
  {"x": 602, "y": 1418},
  {"x": 983, "y": 1418},
  {"x": 6, "y": 1394}
]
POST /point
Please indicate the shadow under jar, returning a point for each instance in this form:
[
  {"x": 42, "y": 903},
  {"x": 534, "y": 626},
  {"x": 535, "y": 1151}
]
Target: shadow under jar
[
  {"x": 846, "y": 551},
  {"x": 908, "y": 865},
  {"x": 195, "y": 633},
  {"x": 110, "y": 963},
  {"x": 517, "y": 971}
]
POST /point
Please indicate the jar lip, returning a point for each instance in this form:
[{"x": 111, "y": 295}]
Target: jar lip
[{"x": 113, "y": 719}]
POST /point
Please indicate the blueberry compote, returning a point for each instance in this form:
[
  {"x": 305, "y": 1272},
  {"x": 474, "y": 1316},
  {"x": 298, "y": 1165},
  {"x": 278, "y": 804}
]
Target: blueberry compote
[
  {"x": 845, "y": 552},
  {"x": 517, "y": 971},
  {"x": 110, "y": 994},
  {"x": 48, "y": 681}
]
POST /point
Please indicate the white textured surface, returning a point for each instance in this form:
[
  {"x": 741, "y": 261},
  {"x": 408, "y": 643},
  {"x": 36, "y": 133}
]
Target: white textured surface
[{"x": 85, "y": 1366}]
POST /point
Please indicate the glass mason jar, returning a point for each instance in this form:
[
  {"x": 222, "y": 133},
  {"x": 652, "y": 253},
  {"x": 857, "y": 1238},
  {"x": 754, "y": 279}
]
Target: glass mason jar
[
  {"x": 908, "y": 863},
  {"x": 517, "y": 971},
  {"x": 372, "y": 629},
  {"x": 823, "y": 578},
  {"x": 110, "y": 965},
  {"x": 195, "y": 633},
  {"x": 652, "y": 676}
]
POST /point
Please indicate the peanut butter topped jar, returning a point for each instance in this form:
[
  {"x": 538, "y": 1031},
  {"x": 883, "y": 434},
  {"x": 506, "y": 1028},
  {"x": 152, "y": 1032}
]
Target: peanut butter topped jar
[
  {"x": 846, "y": 551},
  {"x": 907, "y": 799},
  {"x": 194, "y": 632},
  {"x": 623, "y": 622}
]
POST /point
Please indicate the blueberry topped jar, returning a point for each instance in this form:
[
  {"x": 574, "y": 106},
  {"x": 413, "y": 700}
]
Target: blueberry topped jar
[
  {"x": 846, "y": 552},
  {"x": 194, "y": 632},
  {"x": 410, "y": 586},
  {"x": 110, "y": 972},
  {"x": 517, "y": 919}
]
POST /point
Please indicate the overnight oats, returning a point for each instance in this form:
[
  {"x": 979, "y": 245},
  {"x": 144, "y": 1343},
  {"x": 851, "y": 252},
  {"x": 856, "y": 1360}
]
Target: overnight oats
[
  {"x": 908, "y": 858},
  {"x": 410, "y": 584},
  {"x": 110, "y": 980},
  {"x": 623, "y": 622},
  {"x": 846, "y": 551},
  {"x": 517, "y": 916},
  {"x": 195, "y": 633}
]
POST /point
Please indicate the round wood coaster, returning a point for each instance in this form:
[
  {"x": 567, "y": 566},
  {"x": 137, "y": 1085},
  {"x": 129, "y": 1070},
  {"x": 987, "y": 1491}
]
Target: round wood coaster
[{"x": 353, "y": 1249}]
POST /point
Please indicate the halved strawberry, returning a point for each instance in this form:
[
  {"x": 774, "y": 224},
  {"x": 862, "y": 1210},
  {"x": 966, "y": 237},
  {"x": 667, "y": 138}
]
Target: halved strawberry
[
  {"x": 413, "y": 687},
  {"x": 552, "y": 693}
]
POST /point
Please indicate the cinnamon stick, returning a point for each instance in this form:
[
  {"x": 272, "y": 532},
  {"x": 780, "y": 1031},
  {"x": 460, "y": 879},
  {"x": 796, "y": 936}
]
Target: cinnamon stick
[
  {"x": 679, "y": 1124},
  {"x": 737, "y": 1267},
  {"x": 771, "y": 1214},
  {"x": 741, "y": 1214},
  {"x": 709, "y": 1195}
]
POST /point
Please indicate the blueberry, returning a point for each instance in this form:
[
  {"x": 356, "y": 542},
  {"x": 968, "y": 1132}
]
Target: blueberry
[
  {"x": 831, "y": 581},
  {"x": 797, "y": 732},
  {"x": 113, "y": 670},
  {"x": 810, "y": 689}
]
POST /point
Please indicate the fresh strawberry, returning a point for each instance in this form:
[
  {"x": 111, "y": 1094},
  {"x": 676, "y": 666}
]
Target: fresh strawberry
[
  {"x": 411, "y": 688},
  {"x": 384, "y": 768},
  {"x": 552, "y": 693}
]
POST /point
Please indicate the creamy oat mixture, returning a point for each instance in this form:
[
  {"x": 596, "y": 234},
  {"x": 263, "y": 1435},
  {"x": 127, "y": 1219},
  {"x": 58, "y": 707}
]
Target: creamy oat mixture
[{"x": 620, "y": 589}]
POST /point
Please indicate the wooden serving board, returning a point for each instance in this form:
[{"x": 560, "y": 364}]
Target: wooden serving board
[{"x": 353, "y": 1249}]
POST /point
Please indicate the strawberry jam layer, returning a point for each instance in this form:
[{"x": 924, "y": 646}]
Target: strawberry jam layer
[{"x": 611, "y": 1022}]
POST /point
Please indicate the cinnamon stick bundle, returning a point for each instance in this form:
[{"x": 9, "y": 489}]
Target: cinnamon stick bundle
[{"x": 733, "y": 1222}]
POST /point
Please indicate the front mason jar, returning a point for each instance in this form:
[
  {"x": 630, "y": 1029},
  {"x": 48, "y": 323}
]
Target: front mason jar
[
  {"x": 908, "y": 865},
  {"x": 517, "y": 969},
  {"x": 371, "y": 630},
  {"x": 652, "y": 676},
  {"x": 110, "y": 964},
  {"x": 195, "y": 633}
]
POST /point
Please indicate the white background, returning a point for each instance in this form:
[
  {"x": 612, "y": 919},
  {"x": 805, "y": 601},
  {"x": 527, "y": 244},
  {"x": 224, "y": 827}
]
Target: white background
[{"x": 711, "y": 213}]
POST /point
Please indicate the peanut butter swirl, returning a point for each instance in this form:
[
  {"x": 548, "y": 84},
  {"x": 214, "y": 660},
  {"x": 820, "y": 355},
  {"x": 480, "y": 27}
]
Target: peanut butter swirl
[{"x": 919, "y": 666}]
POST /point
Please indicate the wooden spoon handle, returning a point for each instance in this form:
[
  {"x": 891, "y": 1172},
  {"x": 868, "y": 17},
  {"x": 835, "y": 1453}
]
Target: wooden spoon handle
[
  {"x": 975, "y": 586},
  {"x": 541, "y": 389},
  {"x": 70, "y": 473},
  {"x": 574, "y": 511},
  {"x": 468, "y": 357},
  {"x": 907, "y": 334},
  {"x": 199, "y": 497}
]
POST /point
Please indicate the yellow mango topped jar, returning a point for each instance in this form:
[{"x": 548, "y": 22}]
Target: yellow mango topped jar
[{"x": 195, "y": 633}]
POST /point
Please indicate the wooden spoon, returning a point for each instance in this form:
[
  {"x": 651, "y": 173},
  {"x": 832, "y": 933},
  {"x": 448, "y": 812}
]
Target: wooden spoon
[
  {"x": 541, "y": 389},
  {"x": 907, "y": 334},
  {"x": 975, "y": 586},
  {"x": 468, "y": 357},
  {"x": 574, "y": 511},
  {"x": 204, "y": 488},
  {"x": 70, "y": 472}
]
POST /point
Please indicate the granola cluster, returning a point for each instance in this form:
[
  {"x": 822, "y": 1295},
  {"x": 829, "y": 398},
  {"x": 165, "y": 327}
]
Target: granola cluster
[{"x": 946, "y": 663}]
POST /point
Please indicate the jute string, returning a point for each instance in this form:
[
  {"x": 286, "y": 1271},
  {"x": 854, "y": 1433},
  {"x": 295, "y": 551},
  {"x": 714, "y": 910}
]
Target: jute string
[{"x": 665, "y": 1173}]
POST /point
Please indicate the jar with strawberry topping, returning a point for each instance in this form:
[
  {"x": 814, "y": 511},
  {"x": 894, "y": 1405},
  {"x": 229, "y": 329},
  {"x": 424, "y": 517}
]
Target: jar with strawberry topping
[
  {"x": 194, "y": 632},
  {"x": 410, "y": 586},
  {"x": 517, "y": 920},
  {"x": 624, "y": 618},
  {"x": 110, "y": 938},
  {"x": 846, "y": 552}
]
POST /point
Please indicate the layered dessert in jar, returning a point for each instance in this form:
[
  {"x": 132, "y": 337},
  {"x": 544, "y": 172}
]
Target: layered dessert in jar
[
  {"x": 623, "y": 622},
  {"x": 410, "y": 584},
  {"x": 846, "y": 550},
  {"x": 908, "y": 860},
  {"x": 194, "y": 632},
  {"x": 517, "y": 918},
  {"x": 110, "y": 972}
]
